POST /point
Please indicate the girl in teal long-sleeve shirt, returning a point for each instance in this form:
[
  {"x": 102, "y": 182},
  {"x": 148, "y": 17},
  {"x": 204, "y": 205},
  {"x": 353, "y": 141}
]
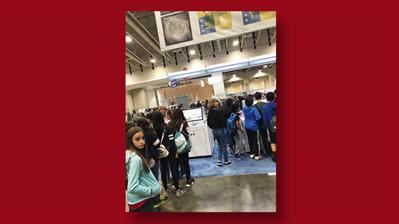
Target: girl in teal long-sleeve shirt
[{"x": 142, "y": 186}]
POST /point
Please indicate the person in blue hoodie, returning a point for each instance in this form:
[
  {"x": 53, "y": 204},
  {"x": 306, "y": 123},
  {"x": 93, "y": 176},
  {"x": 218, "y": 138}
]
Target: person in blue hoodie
[
  {"x": 252, "y": 118},
  {"x": 269, "y": 110},
  {"x": 142, "y": 186}
]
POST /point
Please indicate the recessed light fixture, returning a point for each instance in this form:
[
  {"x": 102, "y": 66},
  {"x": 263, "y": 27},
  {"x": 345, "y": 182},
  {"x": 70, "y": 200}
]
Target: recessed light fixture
[
  {"x": 128, "y": 39},
  {"x": 152, "y": 60},
  {"x": 259, "y": 70},
  {"x": 192, "y": 52},
  {"x": 235, "y": 43},
  {"x": 266, "y": 66},
  {"x": 234, "y": 75}
]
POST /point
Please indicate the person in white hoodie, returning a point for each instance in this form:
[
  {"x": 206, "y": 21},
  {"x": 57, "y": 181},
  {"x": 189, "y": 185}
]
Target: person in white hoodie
[{"x": 142, "y": 186}]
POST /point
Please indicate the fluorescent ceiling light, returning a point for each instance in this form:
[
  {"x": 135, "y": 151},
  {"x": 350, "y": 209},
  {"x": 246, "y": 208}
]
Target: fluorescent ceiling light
[
  {"x": 128, "y": 39},
  {"x": 192, "y": 52},
  {"x": 235, "y": 43}
]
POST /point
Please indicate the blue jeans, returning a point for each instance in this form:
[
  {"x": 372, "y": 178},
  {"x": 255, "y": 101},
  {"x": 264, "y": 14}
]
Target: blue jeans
[{"x": 220, "y": 136}]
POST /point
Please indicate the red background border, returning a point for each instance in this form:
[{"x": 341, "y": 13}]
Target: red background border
[{"x": 62, "y": 97}]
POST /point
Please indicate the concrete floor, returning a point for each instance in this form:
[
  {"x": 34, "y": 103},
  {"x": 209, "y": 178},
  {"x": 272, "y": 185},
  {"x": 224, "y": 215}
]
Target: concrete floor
[{"x": 243, "y": 193}]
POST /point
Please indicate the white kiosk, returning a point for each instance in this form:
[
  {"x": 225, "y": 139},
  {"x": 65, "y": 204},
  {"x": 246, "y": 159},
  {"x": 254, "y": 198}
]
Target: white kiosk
[{"x": 201, "y": 136}]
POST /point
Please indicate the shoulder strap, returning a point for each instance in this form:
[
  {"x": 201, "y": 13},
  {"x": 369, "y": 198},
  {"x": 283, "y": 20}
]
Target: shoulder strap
[
  {"x": 163, "y": 133},
  {"x": 259, "y": 110},
  {"x": 181, "y": 126}
]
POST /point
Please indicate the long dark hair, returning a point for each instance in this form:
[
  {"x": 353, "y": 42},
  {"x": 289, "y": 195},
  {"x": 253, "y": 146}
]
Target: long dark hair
[
  {"x": 157, "y": 121},
  {"x": 143, "y": 123},
  {"x": 130, "y": 133},
  {"x": 226, "y": 108},
  {"x": 177, "y": 119}
]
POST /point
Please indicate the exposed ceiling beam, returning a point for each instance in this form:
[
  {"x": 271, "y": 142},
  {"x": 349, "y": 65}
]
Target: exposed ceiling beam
[
  {"x": 168, "y": 57},
  {"x": 140, "y": 31},
  {"x": 142, "y": 46},
  {"x": 135, "y": 58}
]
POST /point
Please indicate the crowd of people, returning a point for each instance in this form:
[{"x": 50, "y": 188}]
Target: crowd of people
[{"x": 158, "y": 140}]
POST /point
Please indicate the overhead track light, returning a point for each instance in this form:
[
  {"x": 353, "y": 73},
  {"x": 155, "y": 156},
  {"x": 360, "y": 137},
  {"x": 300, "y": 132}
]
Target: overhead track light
[
  {"x": 163, "y": 60},
  {"x": 130, "y": 69},
  {"x": 188, "y": 55},
  {"x": 175, "y": 57},
  {"x": 200, "y": 52},
  {"x": 254, "y": 39},
  {"x": 227, "y": 46},
  {"x": 268, "y": 37},
  {"x": 141, "y": 67},
  {"x": 213, "y": 49},
  {"x": 239, "y": 42}
]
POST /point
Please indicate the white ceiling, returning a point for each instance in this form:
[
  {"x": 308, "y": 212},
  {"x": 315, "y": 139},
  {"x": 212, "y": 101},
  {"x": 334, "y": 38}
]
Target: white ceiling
[{"x": 141, "y": 26}]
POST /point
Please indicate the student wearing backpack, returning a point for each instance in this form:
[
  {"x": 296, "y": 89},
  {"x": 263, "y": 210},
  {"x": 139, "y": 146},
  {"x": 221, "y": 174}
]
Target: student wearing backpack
[
  {"x": 217, "y": 122},
  {"x": 167, "y": 136},
  {"x": 252, "y": 118},
  {"x": 227, "y": 110},
  {"x": 178, "y": 123},
  {"x": 142, "y": 186},
  {"x": 262, "y": 126},
  {"x": 235, "y": 129},
  {"x": 269, "y": 119}
]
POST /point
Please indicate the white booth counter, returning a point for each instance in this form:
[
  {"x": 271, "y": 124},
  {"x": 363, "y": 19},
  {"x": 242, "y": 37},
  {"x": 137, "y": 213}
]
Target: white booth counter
[{"x": 201, "y": 136}]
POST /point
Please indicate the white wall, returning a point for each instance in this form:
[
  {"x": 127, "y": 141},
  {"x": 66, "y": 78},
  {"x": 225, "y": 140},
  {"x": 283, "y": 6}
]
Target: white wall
[
  {"x": 152, "y": 101},
  {"x": 161, "y": 98},
  {"x": 140, "y": 98},
  {"x": 159, "y": 74},
  {"x": 129, "y": 102}
]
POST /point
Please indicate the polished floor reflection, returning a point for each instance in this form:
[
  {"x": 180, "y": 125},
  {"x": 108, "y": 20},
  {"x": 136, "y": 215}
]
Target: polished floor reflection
[{"x": 243, "y": 193}]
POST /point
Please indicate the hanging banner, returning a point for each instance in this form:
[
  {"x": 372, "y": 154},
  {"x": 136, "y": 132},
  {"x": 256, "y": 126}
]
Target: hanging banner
[{"x": 178, "y": 29}]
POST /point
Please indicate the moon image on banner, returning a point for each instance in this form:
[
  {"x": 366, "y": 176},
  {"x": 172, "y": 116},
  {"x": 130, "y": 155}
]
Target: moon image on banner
[{"x": 176, "y": 28}]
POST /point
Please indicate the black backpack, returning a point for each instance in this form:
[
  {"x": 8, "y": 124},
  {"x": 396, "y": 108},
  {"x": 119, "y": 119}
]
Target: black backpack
[
  {"x": 272, "y": 124},
  {"x": 260, "y": 123}
]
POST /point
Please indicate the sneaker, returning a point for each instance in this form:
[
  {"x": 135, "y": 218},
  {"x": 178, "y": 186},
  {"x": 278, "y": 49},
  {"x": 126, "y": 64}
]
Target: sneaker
[
  {"x": 258, "y": 157},
  {"x": 161, "y": 202},
  {"x": 219, "y": 163},
  {"x": 180, "y": 192},
  {"x": 237, "y": 155},
  {"x": 228, "y": 163},
  {"x": 252, "y": 156},
  {"x": 190, "y": 182}
]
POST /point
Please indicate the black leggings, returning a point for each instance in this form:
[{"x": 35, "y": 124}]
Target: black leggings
[
  {"x": 253, "y": 142},
  {"x": 265, "y": 141},
  {"x": 183, "y": 160},
  {"x": 171, "y": 162}
]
